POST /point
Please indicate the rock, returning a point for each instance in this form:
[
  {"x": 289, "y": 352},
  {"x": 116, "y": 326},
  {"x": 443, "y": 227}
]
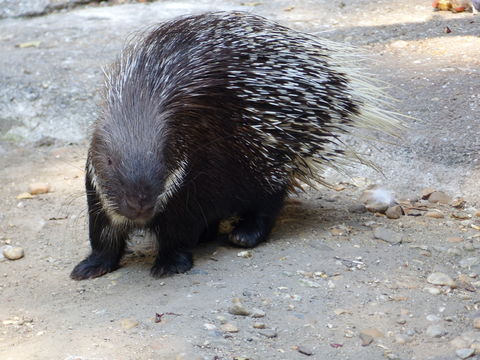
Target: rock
[
  {"x": 305, "y": 350},
  {"x": 377, "y": 199},
  {"x": 38, "y": 188},
  {"x": 128, "y": 324},
  {"x": 436, "y": 331},
  {"x": 13, "y": 252},
  {"x": 269, "y": 333},
  {"x": 459, "y": 342},
  {"x": 209, "y": 327},
  {"x": 454, "y": 239},
  {"x": 394, "y": 212},
  {"x": 229, "y": 327},
  {"x": 387, "y": 235},
  {"x": 458, "y": 202},
  {"x": 454, "y": 251},
  {"x": 464, "y": 353},
  {"x": 257, "y": 313},
  {"x": 245, "y": 254},
  {"x": 259, "y": 325},
  {"x": 467, "y": 262},
  {"x": 366, "y": 339},
  {"x": 435, "y": 214},
  {"x": 357, "y": 209},
  {"x": 427, "y": 192},
  {"x": 402, "y": 339},
  {"x": 476, "y": 347},
  {"x": 476, "y": 322},
  {"x": 433, "y": 291},
  {"x": 438, "y": 278},
  {"x": 25, "y": 196},
  {"x": 433, "y": 318},
  {"x": 439, "y": 197},
  {"x": 238, "y": 309}
]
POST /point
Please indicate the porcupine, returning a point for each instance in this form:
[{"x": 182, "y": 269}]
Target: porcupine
[{"x": 210, "y": 116}]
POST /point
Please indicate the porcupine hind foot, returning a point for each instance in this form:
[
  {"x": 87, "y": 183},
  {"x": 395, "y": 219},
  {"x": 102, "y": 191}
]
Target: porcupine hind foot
[
  {"x": 174, "y": 262},
  {"x": 255, "y": 226}
]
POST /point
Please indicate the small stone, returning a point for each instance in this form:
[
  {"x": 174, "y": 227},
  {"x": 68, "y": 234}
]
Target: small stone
[
  {"x": 229, "y": 327},
  {"x": 259, "y": 325},
  {"x": 24, "y": 196},
  {"x": 477, "y": 213},
  {"x": 438, "y": 278},
  {"x": 467, "y": 262},
  {"x": 387, "y": 235},
  {"x": 257, "y": 313},
  {"x": 238, "y": 309},
  {"x": 209, "y": 327},
  {"x": 464, "y": 353},
  {"x": 433, "y": 291},
  {"x": 269, "y": 333},
  {"x": 433, "y": 318},
  {"x": 38, "y": 188},
  {"x": 468, "y": 246},
  {"x": 439, "y": 197},
  {"x": 377, "y": 200},
  {"x": 427, "y": 192},
  {"x": 401, "y": 339},
  {"x": 458, "y": 202},
  {"x": 128, "y": 324},
  {"x": 435, "y": 214},
  {"x": 366, "y": 339},
  {"x": 245, "y": 254},
  {"x": 305, "y": 350},
  {"x": 13, "y": 252},
  {"x": 357, "y": 209},
  {"x": 454, "y": 239},
  {"x": 476, "y": 348},
  {"x": 476, "y": 322},
  {"x": 436, "y": 331},
  {"x": 394, "y": 212},
  {"x": 459, "y": 343},
  {"x": 454, "y": 251}
]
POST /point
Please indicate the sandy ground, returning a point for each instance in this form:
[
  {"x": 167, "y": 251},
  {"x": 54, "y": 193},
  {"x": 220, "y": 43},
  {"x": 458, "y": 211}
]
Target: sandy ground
[{"x": 322, "y": 279}]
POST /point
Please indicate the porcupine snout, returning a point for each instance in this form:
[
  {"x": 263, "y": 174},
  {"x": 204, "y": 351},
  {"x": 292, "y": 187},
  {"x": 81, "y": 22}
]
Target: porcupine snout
[{"x": 137, "y": 206}]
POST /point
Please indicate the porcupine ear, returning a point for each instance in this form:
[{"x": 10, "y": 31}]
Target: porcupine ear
[{"x": 376, "y": 113}]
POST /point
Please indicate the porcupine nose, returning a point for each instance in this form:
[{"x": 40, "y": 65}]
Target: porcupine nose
[{"x": 138, "y": 207}]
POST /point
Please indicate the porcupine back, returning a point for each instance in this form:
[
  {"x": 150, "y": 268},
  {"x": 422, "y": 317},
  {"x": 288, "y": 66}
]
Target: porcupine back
[{"x": 237, "y": 84}]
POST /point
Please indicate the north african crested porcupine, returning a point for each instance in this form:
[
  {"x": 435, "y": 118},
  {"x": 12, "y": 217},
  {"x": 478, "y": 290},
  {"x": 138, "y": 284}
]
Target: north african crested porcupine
[{"x": 210, "y": 116}]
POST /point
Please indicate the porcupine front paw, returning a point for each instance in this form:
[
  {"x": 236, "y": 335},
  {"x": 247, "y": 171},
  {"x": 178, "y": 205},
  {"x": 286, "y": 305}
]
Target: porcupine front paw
[
  {"x": 93, "y": 266},
  {"x": 173, "y": 263},
  {"x": 247, "y": 233}
]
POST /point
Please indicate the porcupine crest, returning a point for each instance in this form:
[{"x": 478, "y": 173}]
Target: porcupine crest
[{"x": 277, "y": 98}]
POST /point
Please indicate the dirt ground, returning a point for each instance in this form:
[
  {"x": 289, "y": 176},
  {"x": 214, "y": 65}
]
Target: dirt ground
[{"x": 324, "y": 286}]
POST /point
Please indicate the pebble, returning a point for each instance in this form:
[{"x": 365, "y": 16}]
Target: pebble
[
  {"x": 454, "y": 251},
  {"x": 435, "y": 214},
  {"x": 387, "y": 235},
  {"x": 476, "y": 322},
  {"x": 401, "y": 339},
  {"x": 238, "y": 309},
  {"x": 13, "y": 252},
  {"x": 245, "y": 254},
  {"x": 229, "y": 327},
  {"x": 259, "y": 325},
  {"x": 438, "y": 278},
  {"x": 439, "y": 197},
  {"x": 257, "y": 313},
  {"x": 366, "y": 339},
  {"x": 464, "y": 263},
  {"x": 377, "y": 199},
  {"x": 128, "y": 324},
  {"x": 209, "y": 326},
  {"x": 305, "y": 350},
  {"x": 394, "y": 212},
  {"x": 269, "y": 333},
  {"x": 436, "y": 331},
  {"x": 38, "y": 188},
  {"x": 433, "y": 291},
  {"x": 464, "y": 353},
  {"x": 468, "y": 246},
  {"x": 433, "y": 318},
  {"x": 459, "y": 342},
  {"x": 455, "y": 239}
]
